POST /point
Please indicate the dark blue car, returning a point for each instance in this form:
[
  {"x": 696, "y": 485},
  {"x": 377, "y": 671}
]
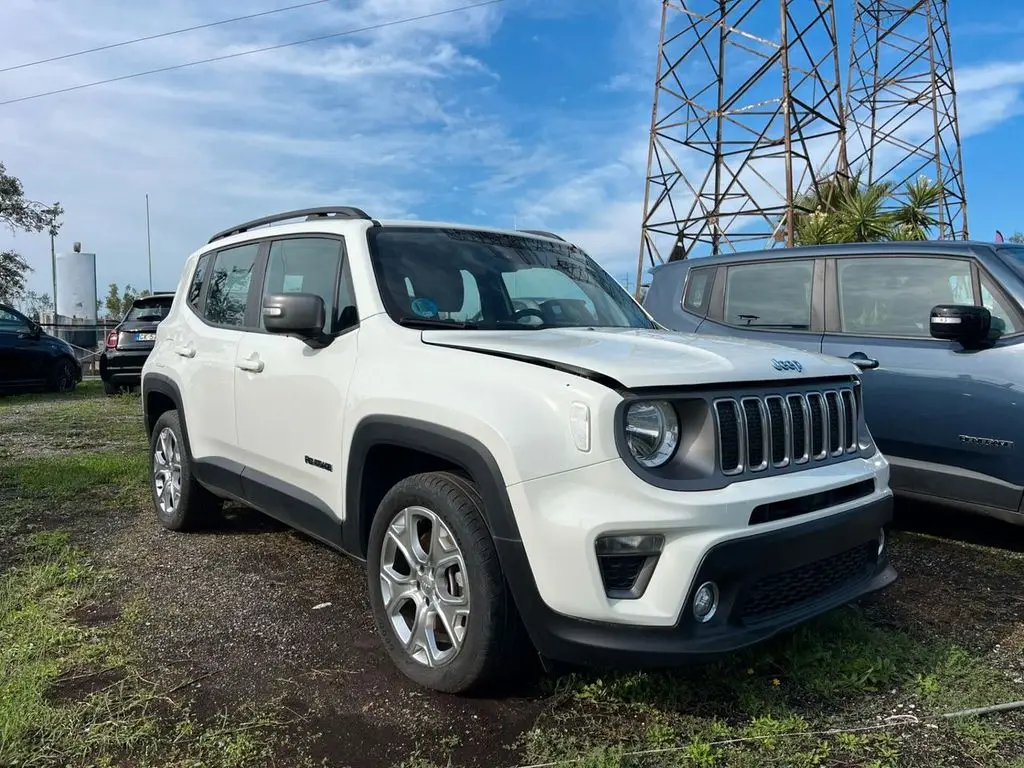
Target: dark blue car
[
  {"x": 937, "y": 327},
  {"x": 31, "y": 359}
]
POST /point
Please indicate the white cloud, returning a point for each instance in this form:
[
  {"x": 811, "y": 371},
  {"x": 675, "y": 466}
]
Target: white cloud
[
  {"x": 391, "y": 120},
  {"x": 377, "y": 120}
]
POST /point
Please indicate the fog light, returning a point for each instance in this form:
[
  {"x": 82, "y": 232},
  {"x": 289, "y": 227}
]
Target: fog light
[
  {"x": 881, "y": 541},
  {"x": 705, "y": 602}
]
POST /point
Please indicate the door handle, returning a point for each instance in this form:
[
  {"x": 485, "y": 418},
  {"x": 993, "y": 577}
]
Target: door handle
[
  {"x": 252, "y": 364},
  {"x": 862, "y": 361},
  {"x": 185, "y": 350}
]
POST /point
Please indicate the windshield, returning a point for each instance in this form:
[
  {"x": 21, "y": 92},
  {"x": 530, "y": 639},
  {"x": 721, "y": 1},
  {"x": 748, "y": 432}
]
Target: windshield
[
  {"x": 490, "y": 280},
  {"x": 1013, "y": 255},
  {"x": 149, "y": 309}
]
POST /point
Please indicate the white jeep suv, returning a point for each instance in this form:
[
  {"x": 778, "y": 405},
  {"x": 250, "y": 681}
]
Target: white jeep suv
[{"x": 510, "y": 443}]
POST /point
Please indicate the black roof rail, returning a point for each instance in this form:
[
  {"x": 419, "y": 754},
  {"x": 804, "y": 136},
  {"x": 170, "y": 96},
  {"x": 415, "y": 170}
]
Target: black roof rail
[
  {"x": 309, "y": 214},
  {"x": 542, "y": 233}
]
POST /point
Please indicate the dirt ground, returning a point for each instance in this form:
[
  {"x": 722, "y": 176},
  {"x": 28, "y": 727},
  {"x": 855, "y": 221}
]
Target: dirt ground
[{"x": 252, "y": 616}]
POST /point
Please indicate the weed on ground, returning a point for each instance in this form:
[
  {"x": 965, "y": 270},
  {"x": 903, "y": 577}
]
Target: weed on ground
[
  {"x": 71, "y": 694},
  {"x": 121, "y": 644}
]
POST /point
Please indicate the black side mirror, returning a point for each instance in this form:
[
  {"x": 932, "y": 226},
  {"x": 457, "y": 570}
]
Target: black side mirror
[
  {"x": 962, "y": 323},
  {"x": 296, "y": 314}
]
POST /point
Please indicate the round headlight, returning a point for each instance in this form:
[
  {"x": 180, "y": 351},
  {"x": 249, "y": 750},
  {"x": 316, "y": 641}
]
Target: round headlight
[{"x": 652, "y": 432}]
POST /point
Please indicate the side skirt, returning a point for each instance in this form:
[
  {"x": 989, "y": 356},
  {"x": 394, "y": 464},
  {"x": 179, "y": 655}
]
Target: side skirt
[
  {"x": 956, "y": 488},
  {"x": 284, "y": 502}
]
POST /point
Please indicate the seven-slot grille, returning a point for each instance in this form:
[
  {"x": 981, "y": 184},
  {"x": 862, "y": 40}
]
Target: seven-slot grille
[{"x": 761, "y": 431}]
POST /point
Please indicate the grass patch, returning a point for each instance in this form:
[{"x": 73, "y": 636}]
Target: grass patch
[
  {"x": 779, "y": 704},
  {"x": 87, "y": 388},
  {"x": 66, "y": 476},
  {"x": 89, "y": 421},
  {"x": 114, "y": 717}
]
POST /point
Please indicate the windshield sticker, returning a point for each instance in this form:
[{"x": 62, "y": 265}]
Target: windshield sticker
[{"x": 425, "y": 307}]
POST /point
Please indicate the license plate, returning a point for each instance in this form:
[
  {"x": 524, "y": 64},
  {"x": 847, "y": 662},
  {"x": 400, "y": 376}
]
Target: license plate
[{"x": 145, "y": 337}]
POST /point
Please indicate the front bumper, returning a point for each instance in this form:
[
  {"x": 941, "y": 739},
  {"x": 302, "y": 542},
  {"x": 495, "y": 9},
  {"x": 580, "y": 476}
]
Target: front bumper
[
  {"x": 768, "y": 582},
  {"x": 722, "y": 535}
]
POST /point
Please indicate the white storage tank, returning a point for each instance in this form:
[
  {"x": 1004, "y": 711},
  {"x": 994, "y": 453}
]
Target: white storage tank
[{"x": 76, "y": 284}]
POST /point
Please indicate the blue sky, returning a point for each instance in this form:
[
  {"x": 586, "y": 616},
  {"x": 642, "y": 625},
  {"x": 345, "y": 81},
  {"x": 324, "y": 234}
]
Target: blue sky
[{"x": 531, "y": 111}]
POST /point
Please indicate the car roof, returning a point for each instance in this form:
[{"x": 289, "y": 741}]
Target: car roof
[
  {"x": 157, "y": 295},
  {"x": 893, "y": 249},
  {"x": 342, "y": 219}
]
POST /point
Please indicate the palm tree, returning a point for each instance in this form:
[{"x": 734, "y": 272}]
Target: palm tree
[{"x": 846, "y": 210}]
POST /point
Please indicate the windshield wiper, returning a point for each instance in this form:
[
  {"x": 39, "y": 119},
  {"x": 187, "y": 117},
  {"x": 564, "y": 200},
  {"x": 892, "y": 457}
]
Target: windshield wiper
[{"x": 431, "y": 322}]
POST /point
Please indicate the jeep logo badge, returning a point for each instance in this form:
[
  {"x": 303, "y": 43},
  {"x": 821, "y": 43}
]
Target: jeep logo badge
[{"x": 786, "y": 365}]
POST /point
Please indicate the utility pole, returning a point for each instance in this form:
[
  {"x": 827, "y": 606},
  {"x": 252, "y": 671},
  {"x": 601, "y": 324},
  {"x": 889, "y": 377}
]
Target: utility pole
[
  {"x": 901, "y": 104},
  {"x": 53, "y": 266},
  {"x": 149, "y": 246},
  {"x": 747, "y": 116}
]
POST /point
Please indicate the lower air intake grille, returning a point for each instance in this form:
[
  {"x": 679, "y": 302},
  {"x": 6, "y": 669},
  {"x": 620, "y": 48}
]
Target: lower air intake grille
[{"x": 783, "y": 592}]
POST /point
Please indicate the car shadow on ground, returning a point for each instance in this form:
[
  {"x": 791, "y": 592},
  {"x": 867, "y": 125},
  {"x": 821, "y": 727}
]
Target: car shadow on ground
[{"x": 932, "y": 520}]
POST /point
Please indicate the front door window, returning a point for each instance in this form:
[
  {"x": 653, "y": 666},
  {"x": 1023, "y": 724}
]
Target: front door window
[{"x": 894, "y": 296}]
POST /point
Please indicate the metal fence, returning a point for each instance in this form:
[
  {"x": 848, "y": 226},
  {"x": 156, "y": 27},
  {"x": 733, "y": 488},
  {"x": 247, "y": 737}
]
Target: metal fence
[{"x": 87, "y": 337}]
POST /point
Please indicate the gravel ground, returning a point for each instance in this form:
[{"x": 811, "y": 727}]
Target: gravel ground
[{"x": 238, "y": 609}]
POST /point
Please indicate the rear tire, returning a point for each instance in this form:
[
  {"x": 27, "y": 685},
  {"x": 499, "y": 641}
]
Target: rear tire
[
  {"x": 449, "y": 578},
  {"x": 180, "y": 502},
  {"x": 110, "y": 389}
]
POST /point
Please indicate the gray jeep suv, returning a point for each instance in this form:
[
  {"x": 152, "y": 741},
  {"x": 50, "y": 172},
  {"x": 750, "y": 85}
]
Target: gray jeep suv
[{"x": 937, "y": 327}]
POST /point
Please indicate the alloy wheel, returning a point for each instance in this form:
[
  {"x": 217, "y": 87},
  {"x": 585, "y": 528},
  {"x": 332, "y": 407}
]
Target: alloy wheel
[
  {"x": 424, "y": 586},
  {"x": 167, "y": 471}
]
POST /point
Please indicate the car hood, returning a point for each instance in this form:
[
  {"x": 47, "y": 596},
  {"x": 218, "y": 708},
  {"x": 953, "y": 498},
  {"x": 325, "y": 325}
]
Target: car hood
[{"x": 637, "y": 357}]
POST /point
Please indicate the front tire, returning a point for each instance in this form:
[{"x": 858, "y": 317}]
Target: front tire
[
  {"x": 437, "y": 592},
  {"x": 180, "y": 502},
  {"x": 62, "y": 377}
]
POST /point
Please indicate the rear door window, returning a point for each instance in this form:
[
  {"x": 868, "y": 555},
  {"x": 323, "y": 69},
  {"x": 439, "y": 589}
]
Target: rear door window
[
  {"x": 769, "y": 295},
  {"x": 228, "y": 294}
]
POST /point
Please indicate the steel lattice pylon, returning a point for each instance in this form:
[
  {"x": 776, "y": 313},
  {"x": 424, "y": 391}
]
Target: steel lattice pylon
[
  {"x": 901, "y": 102},
  {"x": 724, "y": 162}
]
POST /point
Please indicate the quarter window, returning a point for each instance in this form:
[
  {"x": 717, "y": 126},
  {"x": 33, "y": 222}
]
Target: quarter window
[
  {"x": 195, "y": 288},
  {"x": 698, "y": 290},
  {"x": 228, "y": 293},
  {"x": 310, "y": 265},
  {"x": 769, "y": 295},
  {"x": 895, "y": 296}
]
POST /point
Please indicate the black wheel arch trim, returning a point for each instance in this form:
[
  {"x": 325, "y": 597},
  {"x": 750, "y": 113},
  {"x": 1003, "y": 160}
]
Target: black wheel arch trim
[
  {"x": 157, "y": 382},
  {"x": 435, "y": 440}
]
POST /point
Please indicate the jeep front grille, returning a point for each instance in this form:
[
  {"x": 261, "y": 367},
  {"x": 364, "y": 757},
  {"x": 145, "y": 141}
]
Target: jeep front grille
[{"x": 761, "y": 431}]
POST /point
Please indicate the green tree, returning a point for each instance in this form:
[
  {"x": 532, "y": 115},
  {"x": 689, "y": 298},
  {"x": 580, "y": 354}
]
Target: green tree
[
  {"x": 1016, "y": 237},
  {"x": 20, "y": 214},
  {"x": 118, "y": 302},
  {"x": 33, "y": 304},
  {"x": 846, "y": 210}
]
